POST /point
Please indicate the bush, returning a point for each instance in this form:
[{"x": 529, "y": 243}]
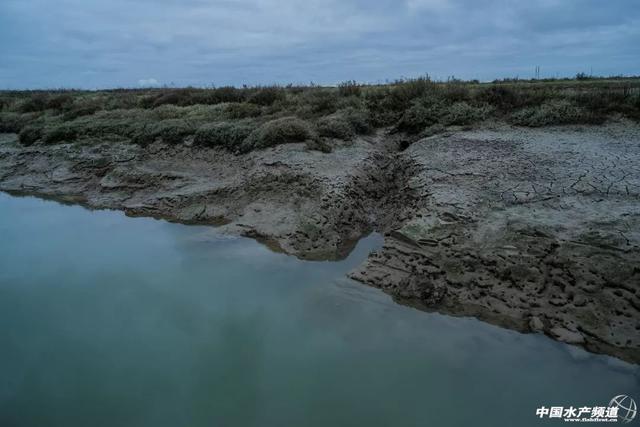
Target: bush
[
  {"x": 321, "y": 102},
  {"x": 226, "y": 134},
  {"x": 418, "y": 117},
  {"x": 30, "y": 134},
  {"x": 554, "y": 113},
  {"x": 59, "y": 133},
  {"x": 503, "y": 98},
  {"x": 335, "y": 127},
  {"x": 267, "y": 96},
  {"x": 349, "y": 88},
  {"x": 12, "y": 122},
  {"x": 462, "y": 113},
  {"x": 35, "y": 103},
  {"x": 279, "y": 131},
  {"x": 357, "y": 118},
  {"x": 244, "y": 110},
  {"x": 173, "y": 131}
]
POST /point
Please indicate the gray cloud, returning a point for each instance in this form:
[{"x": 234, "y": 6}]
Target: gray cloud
[{"x": 94, "y": 43}]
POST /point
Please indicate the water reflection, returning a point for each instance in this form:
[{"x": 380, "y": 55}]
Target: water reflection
[{"x": 108, "y": 320}]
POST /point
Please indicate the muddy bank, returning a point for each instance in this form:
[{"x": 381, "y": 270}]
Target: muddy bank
[{"x": 535, "y": 230}]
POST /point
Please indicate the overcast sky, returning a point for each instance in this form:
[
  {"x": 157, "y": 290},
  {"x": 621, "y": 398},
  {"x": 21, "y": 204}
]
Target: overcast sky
[{"x": 112, "y": 43}]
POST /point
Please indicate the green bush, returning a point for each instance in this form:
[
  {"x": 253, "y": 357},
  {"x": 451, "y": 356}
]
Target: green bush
[
  {"x": 242, "y": 110},
  {"x": 554, "y": 113},
  {"x": 267, "y": 95},
  {"x": 30, "y": 134},
  {"x": 173, "y": 131},
  {"x": 11, "y": 122},
  {"x": 59, "y": 133},
  {"x": 36, "y": 102},
  {"x": 418, "y": 117},
  {"x": 279, "y": 131},
  {"x": 357, "y": 118},
  {"x": 349, "y": 88},
  {"x": 462, "y": 113},
  {"x": 335, "y": 127},
  {"x": 229, "y": 135}
]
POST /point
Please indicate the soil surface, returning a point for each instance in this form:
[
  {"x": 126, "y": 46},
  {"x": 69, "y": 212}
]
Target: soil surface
[{"x": 536, "y": 230}]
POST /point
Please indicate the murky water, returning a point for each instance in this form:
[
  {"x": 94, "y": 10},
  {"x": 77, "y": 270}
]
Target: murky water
[{"x": 113, "y": 321}]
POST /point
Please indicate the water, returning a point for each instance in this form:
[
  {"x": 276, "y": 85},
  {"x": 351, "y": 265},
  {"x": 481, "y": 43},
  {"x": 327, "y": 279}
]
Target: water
[{"x": 113, "y": 321}]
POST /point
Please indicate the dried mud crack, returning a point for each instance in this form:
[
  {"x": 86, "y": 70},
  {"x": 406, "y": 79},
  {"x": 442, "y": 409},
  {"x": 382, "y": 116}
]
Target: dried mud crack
[{"x": 533, "y": 230}]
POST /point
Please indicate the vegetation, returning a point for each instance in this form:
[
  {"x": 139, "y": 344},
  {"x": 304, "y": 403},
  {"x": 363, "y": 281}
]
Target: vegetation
[{"x": 250, "y": 118}]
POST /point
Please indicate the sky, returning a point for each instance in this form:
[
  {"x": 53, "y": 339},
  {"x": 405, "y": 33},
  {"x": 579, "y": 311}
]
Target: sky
[{"x": 131, "y": 43}]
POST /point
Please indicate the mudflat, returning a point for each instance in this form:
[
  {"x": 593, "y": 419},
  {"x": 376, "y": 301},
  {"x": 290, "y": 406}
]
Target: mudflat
[{"x": 531, "y": 229}]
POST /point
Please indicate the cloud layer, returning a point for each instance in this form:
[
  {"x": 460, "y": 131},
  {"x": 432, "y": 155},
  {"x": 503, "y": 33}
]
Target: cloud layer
[{"x": 97, "y": 43}]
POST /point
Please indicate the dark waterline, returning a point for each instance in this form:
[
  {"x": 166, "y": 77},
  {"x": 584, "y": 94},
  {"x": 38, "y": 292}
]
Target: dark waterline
[{"x": 113, "y": 321}]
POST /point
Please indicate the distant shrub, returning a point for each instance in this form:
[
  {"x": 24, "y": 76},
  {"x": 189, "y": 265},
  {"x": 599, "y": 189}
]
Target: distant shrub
[
  {"x": 418, "y": 117},
  {"x": 267, "y": 95},
  {"x": 244, "y": 110},
  {"x": 179, "y": 97},
  {"x": 357, "y": 118},
  {"x": 402, "y": 93},
  {"x": 59, "y": 102},
  {"x": 169, "y": 111},
  {"x": 320, "y": 102},
  {"x": 554, "y": 113},
  {"x": 59, "y": 133},
  {"x": 280, "y": 131},
  {"x": 11, "y": 122},
  {"x": 335, "y": 127},
  {"x": 349, "y": 88},
  {"x": 30, "y": 134},
  {"x": 34, "y": 103},
  {"x": 501, "y": 97},
  {"x": 462, "y": 113},
  {"x": 173, "y": 131},
  {"x": 229, "y": 135}
]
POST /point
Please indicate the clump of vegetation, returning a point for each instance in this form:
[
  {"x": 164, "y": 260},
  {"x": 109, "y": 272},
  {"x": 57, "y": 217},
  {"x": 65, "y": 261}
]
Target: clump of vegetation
[
  {"x": 248, "y": 118},
  {"x": 279, "y": 131},
  {"x": 30, "y": 134},
  {"x": 335, "y": 127},
  {"x": 61, "y": 133},
  {"x": 229, "y": 135},
  {"x": 555, "y": 113},
  {"x": 267, "y": 96}
]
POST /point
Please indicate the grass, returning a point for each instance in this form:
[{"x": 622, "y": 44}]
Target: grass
[{"x": 252, "y": 118}]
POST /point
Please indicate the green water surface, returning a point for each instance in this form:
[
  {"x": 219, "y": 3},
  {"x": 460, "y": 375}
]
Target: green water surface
[{"x": 113, "y": 321}]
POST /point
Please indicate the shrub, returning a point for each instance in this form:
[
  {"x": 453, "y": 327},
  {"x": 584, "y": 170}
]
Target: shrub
[
  {"x": 349, "y": 88},
  {"x": 30, "y": 134},
  {"x": 462, "y": 113},
  {"x": 335, "y": 127},
  {"x": 357, "y": 118},
  {"x": 554, "y": 113},
  {"x": 59, "y": 102},
  {"x": 501, "y": 97},
  {"x": 267, "y": 95},
  {"x": 173, "y": 131},
  {"x": 35, "y": 103},
  {"x": 59, "y": 133},
  {"x": 12, "y": 122},
  {"x": 179, "y": 97},
  {"x": 244, "y": 110},
  {"x": 279, "y": 131},
  {"x": 226, "y": 134},
  {"x": 321, "y": 101},
  {"x": 404, "y": 92},
  {"x": 418, "y": 117}
]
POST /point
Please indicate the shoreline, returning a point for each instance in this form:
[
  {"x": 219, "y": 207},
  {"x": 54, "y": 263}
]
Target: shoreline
[{"x": 536, "y": 230}]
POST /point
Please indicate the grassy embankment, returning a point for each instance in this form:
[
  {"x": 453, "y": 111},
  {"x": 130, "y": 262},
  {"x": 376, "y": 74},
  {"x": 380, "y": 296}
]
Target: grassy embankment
[{"x": 246, "y": 119}]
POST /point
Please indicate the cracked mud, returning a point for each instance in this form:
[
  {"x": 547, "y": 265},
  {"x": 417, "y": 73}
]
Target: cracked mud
[{"x": 534, "y": 230}]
